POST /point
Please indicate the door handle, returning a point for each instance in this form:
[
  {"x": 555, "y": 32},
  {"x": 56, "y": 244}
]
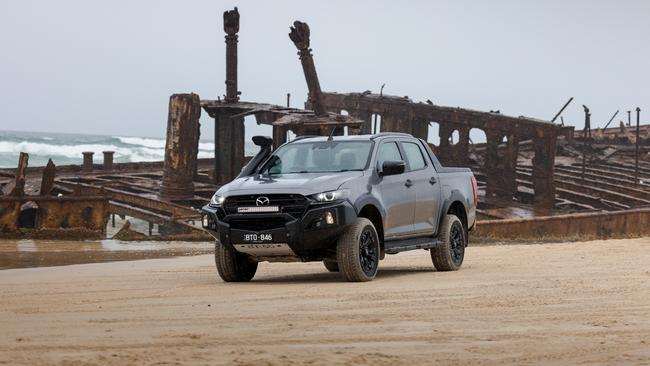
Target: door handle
[
  {"x": 408, "y": 183},
  {"x": 433, "y": 180}
]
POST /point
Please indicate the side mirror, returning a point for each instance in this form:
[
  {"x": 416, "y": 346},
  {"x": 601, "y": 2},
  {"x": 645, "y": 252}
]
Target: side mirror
[{"x": 392, "y": 168}]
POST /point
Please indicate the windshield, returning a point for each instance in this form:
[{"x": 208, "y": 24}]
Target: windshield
[{"x": 319, "y": 157}]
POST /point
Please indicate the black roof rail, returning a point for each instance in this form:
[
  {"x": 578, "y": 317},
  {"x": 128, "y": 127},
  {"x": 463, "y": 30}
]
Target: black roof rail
[
  {"x": 304, "y": 137},
  {"x": 391, "y": 134}
]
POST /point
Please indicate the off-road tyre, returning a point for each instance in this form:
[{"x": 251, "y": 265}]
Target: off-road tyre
[
  {"x": 448, "y": 255},
  {"x": 232, "y": 265},
  {"x": 331, "y": 266},
  {"x": 357, "y": 252}
]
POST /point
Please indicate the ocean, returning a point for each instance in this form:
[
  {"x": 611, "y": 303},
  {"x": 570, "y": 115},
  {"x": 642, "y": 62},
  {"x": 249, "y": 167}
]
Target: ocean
[{"x": 65, "y": 149}]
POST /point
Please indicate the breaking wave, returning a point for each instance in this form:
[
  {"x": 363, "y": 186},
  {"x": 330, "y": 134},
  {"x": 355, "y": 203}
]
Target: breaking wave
[{"x": 67, "y": 148}]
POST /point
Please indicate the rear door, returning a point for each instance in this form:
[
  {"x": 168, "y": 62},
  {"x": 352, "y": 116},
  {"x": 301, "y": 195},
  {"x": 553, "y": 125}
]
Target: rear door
[
  {"x": 424, "y": 181},
  {"x": 398, "y": 198}
]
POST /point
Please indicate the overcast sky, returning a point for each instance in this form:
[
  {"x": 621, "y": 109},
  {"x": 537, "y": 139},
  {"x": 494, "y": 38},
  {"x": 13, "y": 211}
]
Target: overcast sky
[{"x": 108, "y": 67}]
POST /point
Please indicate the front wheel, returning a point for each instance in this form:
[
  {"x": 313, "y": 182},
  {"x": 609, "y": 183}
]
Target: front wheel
[
  {"x": 232, "y": 265},
  {"x": 357, "y": 251},
  {"x": 448, "y": 255}
]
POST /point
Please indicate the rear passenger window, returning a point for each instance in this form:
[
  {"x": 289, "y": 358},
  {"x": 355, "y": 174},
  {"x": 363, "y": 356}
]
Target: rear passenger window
[
  {"x": 388, "y": 152},
  {"x": 414, "y": 156}
]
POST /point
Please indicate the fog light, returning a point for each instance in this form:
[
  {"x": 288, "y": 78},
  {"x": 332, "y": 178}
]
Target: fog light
[
  {"x": 206, "y": 223},
  {"x": 329, "y": 218}
]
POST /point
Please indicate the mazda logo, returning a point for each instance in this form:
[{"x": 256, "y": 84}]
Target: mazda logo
[{"x": 262, "y": 201}]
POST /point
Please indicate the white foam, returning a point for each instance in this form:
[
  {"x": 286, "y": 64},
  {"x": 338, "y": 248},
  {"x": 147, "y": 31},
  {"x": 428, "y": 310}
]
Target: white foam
[
  {"x": 157, "y": 143},
  {"x": 142, "y": 141}
]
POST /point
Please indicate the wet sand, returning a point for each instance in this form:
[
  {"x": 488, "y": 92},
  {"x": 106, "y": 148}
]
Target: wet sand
[
  {"x": 45, "y": 253},
  {"x": 569, "y": 303}
]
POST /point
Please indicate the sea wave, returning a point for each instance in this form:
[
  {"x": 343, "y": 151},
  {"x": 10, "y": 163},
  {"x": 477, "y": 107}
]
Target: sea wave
[
  {"x": 67, "y": 148},
  {"x": 40, "y": 151},
  {"x": 158, "y": 143}
]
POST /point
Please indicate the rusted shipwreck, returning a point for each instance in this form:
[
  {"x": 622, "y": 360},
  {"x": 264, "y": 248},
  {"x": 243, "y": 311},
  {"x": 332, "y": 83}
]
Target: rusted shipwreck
[{"x": 538, "y": 179}]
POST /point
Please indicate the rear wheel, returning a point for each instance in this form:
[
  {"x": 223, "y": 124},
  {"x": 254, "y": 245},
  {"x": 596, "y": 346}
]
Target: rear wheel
[
  {"x": 357, "y": 252},
  {"x": 448, "y": 255},
  {"x": 331, "y": 266},
  {"x": 232, "y": 265}
]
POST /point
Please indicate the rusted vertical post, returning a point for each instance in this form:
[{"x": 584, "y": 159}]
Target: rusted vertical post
[
  {"x": 88, "y": 161},
  {"x": 181, "y": 146},
  {"x": 510, "y": 164},
  {"x": 491, "y": 170},
  {"x": 629, "y": 118},
  {"x": 584, "y": 145},
  {"x": 636, "y": 152},
  {"x": 366, "y": 116},
  {"x": 444, "y": 131},
  {"x": 229, "y": 146},
  {"x": 300, "y": 37},
  {"x": 279, "y": 136},
  {"x": 462, "y": 149},
  {"x": 108, "y": 160},
  {"x": 231, "y": 27},
  {"x": 17, "y": 187},
  {"x": 47, "y": 183},
  {"x": 544, "y": 144}
]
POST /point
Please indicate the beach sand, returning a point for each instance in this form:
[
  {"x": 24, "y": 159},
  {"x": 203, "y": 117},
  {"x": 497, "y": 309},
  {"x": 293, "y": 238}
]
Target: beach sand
[{"x": 565, "y": 303}]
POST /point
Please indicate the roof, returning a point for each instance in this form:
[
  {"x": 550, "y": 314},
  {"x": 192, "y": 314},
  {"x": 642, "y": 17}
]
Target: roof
[{"x": 350, "y": 137}]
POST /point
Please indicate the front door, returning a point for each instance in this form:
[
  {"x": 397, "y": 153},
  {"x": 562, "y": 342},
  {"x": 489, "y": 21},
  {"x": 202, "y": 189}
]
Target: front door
[{"x": 397, "y": 196}]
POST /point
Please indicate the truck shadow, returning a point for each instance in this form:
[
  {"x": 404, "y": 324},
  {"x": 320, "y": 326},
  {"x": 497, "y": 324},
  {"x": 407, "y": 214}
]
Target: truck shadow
[{"x": 325, "y": 277}]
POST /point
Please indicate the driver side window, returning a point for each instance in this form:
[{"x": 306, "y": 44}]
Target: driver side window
[{"x": 388, "y": 152}]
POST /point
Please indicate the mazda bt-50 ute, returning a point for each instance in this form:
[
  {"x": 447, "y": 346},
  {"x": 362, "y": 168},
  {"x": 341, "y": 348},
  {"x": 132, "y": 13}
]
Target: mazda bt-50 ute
[{"x": 344, "y": 200}]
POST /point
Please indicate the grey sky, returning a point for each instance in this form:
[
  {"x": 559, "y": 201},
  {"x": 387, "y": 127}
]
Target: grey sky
[{"x": 109, "y": 66}]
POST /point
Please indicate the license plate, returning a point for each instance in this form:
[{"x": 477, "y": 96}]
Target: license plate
[{"x": 257, "y": 238}]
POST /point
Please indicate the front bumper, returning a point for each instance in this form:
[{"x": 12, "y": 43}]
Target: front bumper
[{"x": 307, "y": 236}]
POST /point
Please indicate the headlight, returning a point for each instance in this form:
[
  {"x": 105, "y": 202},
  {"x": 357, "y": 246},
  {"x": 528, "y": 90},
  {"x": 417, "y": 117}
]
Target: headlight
[
  {"x": 330, "y": 196},
  {"x": 217, "y": 199}
]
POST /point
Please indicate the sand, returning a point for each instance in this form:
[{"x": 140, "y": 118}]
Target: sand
[{"x": 567, "y": 303}]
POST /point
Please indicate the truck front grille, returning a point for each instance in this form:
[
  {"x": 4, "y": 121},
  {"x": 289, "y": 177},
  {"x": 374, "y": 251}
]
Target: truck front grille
[
  {"x": 257, "y": 225},
  {"x": 292, "y": 204}
]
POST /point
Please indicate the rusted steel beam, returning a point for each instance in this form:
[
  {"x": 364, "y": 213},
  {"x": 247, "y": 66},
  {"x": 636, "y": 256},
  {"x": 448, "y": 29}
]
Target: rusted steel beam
[
  {"x": 587, "y": 129},
  {"x": 544, "y": 146},
  {"x": 181, "y": 147},
  {"x": 124, "y": 209},
  {"x": 137, "y": 200},
  {"x": 636, "y": 143},
  {"x": 73, "y": 212},
  {"x": 582, "y": 226},
  {"x": 9, "y": 214},
  {"x": 88, "y": 212},
  {"x": 231, "y": 27},
  {"x": 300, "y": 36},
  {"x": 17, "y": 187},
  {"x": 610, "y": 120},
  {"x": 562, "y": 109},
  {"x": 229, "y": 135},
  {"x": 491, "y": 168},
  {"x": 594, "y": 189},
  {"x": 47, "y": 182},
  {"x": 374, "y": 104}
]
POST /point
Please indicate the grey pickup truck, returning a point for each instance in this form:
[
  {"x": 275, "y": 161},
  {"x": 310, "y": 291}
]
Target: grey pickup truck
[{"x": 344, "y": 200}]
